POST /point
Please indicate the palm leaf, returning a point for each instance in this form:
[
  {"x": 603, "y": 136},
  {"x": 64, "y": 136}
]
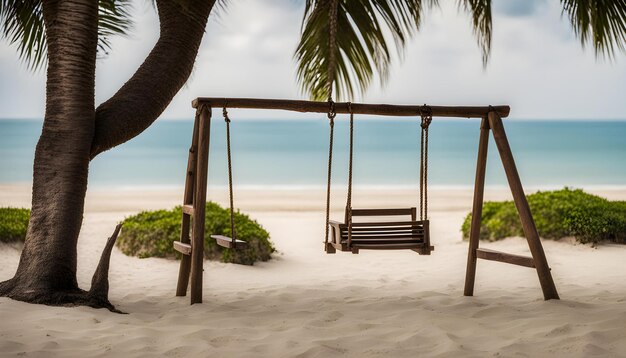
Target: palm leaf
[
  {"x": 360, "y": 49},
  {"x": 21, "y": 23},
  {"x": 599, "y": 22},
  {"x": 480, "y": 11},
  {"x": 114, "y": 18}
]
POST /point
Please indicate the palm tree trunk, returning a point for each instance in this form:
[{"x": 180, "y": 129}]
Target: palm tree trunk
[
  {"x": 47, "y": 269},
  {"x": 166, "y": 69},
  {"x": 74, "y": 132}
]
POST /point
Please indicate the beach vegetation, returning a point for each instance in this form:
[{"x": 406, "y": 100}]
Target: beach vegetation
[
  {"x": 557, "y": 214},
  {"x": 152, "y": 233},
  {"x": 13, "y": 224}
]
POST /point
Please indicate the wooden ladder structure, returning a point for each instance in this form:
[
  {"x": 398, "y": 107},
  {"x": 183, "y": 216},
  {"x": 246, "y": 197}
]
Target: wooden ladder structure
[
  {"x": 194, "y": 205},
  {"x": 191, "y": 243}
]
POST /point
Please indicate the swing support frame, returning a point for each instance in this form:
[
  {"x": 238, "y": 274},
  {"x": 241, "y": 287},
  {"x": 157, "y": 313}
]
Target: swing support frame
[{"x": 191, "y": 243}]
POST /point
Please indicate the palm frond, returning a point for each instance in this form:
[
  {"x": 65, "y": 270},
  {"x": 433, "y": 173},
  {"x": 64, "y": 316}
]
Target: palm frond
[
  {"x": 361, "y": 48},
  {"x": 21, "y": 23},
  {"x": 114, "y": 18},
  {"x": 480, "y": 10},
  {"x": 599, "y": 22}
]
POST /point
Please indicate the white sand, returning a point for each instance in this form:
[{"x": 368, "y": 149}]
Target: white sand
[{"x": 305, "y": 303}]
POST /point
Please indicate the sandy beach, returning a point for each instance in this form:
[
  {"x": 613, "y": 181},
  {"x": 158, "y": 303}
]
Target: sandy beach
[{"x": 305, "y": 303}]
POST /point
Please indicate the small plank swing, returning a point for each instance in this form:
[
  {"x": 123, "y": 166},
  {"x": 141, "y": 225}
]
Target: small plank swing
[
  {"x": 379, "y": 235},
  {"x": 225, "y": 241}
]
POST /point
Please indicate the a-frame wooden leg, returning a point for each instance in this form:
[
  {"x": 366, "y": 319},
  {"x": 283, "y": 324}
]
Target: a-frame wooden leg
[
  {"x": 197, "y": 253},
  {"x": 185, "y": 262},
  {"x": 528, "y": 224},
  {"x": 477, "y": 208}
]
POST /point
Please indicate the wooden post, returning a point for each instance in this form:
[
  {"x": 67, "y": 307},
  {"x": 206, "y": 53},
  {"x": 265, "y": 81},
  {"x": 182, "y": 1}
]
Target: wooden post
[
  {"x": 197, "y": 244},
  {"x": 528, "y": 224},
  {"x": 185, "y": 262},
  {"x": 477, "y": 208}
]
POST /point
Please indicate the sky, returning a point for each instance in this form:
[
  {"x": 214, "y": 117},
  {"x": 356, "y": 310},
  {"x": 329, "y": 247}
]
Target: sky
[{"x": 537, "y": 65}]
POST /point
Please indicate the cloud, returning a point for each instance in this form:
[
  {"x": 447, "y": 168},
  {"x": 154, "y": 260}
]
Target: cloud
[
  {"x": 537, "y": 65},
  {"x": 517, "y": 7}
]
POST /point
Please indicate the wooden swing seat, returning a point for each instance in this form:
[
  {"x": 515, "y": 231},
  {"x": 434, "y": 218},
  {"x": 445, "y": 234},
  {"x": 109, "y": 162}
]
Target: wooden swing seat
[
  {"x": 381, "y": 235},
  {"x": 227, "y": 242}
]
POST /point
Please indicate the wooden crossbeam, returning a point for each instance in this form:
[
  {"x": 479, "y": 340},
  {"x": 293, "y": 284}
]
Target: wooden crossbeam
[
  {"x": 357, "y": 108},
  {"x": 493, "y": 255}
]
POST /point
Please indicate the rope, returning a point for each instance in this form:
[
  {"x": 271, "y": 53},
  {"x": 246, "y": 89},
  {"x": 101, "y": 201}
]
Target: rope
[
  {"x": 422, "y": 173},
  {"x": 230, "y": 179},
  {"x": 331, "y": 118},
  {"x": 332, "y": 42},
  {"x": 426, "y": 114},
  {"x": 349, "y": 200},
  {"x": 426, "y": 174}
]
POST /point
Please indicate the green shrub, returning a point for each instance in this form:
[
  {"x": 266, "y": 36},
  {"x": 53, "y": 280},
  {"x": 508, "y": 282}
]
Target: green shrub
[
  {"x": 588, "y": 218},
  {"x": 151, "y": 234},
  {"x": 13, "y": 224}
]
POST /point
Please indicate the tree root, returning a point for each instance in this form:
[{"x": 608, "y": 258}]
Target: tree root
[{"x": 96, "y": 297}]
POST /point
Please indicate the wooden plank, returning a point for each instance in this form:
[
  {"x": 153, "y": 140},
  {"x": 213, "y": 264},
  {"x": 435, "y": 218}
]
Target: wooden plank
[
  {"x": 386, "y": 233},
  {"x": 390, "y": 229},
  {"x": 385, "y": 239},
  {"x": 227, "y": 242},
  {"x": 357, "y": 108},
  {"x": 477, "y": 207},
  {"x": 393, "y": 246},
  {"x": 382, "y": 212},
  {"x": 389, "y": 238},
  {"x": 183, "y": 248},
  {"x": 528, "y": 224},
  {"x": 197, "y": 254},
  {"x": 185, "y": 262},
  {"x": 187, "y": 209},
  {"x": 492, "y": 255},
  {"x": 384, "y": 242},
  {"x": 386, "y": 224}
]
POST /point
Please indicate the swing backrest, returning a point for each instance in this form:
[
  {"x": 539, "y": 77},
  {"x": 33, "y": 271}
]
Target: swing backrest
[
  {"x": 401, "y": 230},
  {"x": 385, "y": 212},
  {"x": 384, "y": 230}
]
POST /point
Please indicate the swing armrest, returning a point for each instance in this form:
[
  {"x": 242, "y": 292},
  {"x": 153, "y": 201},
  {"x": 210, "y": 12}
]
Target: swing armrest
[
  {"x": 335, "y": 224},
  {"x": 336, "y": 230}
]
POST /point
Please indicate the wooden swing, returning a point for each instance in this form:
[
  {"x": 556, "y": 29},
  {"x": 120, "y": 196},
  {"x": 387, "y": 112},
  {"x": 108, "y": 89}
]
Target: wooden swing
[
  {"x": 351, "y": 236},
  {"x": 399, "y": 234},
  {"x": 188, "y": 209},
  {"x": 225, "y": 241}
]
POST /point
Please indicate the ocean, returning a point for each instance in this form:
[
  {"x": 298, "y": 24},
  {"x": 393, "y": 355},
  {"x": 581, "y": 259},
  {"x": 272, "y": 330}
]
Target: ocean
[{"x": 294, "y": 153}]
